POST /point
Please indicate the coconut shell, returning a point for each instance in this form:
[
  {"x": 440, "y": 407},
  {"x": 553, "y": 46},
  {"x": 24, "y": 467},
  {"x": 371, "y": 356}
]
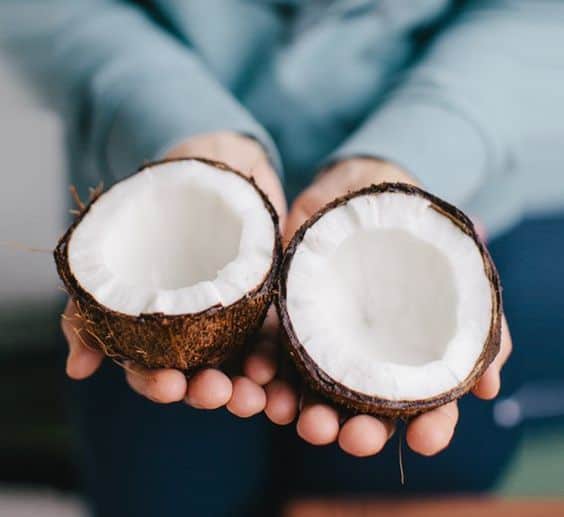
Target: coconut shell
[
  {"x": 186, "y": 342},
  {"x": 321, "y": 383}
]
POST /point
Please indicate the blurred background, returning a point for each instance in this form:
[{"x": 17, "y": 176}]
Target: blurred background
[
  {"x": 37, "y": 470},
  {"x": 38, "y": 466}
]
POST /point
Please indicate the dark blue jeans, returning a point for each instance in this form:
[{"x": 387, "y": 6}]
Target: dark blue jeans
[{"x": 141, "y": 459}]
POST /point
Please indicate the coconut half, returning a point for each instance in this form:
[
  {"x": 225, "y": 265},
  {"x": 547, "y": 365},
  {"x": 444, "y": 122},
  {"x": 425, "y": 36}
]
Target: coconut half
[
  {"x": 174, "y": 266},
  {"x": 390, "y": 302}
]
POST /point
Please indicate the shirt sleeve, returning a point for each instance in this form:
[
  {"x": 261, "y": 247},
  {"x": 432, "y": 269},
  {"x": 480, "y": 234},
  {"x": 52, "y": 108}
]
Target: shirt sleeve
[
  {"x": 127, "y": 89},
  {"x": 487, "y": 89}
]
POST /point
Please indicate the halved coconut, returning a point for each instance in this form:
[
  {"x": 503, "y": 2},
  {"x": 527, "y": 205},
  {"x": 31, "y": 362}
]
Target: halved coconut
[
  {"x": 174, "y": 266},
  {"x": 390, "y": 302}
]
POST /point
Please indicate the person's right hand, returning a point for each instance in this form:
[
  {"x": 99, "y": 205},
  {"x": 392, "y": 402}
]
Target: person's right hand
[{"x": 245, "y": 394}]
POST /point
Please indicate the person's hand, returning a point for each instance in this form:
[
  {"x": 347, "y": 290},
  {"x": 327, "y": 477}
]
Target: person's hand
[
  {"x": 210, "y": 388},
  {"x": 363, "y": 435}
]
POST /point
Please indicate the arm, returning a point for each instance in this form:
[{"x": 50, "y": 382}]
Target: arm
[
  {"x": 476, "y": 106},
  {"x": 129, "y": 92}
]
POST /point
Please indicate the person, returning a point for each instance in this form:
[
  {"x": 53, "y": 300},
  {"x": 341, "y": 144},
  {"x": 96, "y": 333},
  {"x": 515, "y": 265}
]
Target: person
[{"x": 458, "y": 96}]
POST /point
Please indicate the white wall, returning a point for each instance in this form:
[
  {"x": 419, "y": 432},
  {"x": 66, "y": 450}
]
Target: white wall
[{"x": 32, "y": 192}]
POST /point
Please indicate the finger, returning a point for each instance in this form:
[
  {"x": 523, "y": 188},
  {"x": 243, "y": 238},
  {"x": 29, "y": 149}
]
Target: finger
[
  {"x": 318, "y": 424},
  {"x": 260, "y": 365},
  {"x": 82, "y": 362},
  {"x": 364, "y": 435},
  {"x": 489, "y": 385},
  {"x": 248, "y": 398},
  {"x": 307, "y": 203},
  {"x": 281, "y": 402},
  {"x": 296, "y": 217},
  {"x": 431, "y": 432},
  {"x": 480, "y": 230},
  {"x": 83, "y": 358},
  {"x": 209, "y": 389},
  {"x": 163, "y": 386}
]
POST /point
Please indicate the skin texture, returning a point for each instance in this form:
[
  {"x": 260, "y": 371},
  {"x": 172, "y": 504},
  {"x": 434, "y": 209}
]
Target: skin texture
[{"x": 262, "y": 383}]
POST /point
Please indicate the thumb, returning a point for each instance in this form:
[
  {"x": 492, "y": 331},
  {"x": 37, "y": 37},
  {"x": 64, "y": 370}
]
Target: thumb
[
  {"x": 296, "y": 217},
  {"x": 305, "y": 205}
]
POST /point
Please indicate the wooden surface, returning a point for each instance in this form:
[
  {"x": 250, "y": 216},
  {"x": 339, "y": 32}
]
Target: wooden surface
[{"x": 460, "y": 507}]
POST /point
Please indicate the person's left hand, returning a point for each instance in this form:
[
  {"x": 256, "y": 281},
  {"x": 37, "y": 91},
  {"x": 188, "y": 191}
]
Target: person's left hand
[{"x": 364, "y": 435}]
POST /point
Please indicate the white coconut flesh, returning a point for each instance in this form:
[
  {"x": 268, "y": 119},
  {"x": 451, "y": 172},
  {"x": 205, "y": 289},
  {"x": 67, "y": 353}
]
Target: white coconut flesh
[
  {"x": 176, "y": 238},
  {"x": 389, "y": 297}
]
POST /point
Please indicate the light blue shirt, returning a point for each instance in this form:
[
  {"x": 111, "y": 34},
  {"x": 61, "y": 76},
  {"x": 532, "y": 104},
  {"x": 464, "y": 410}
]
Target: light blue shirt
[{"x": 466, "y": 96}]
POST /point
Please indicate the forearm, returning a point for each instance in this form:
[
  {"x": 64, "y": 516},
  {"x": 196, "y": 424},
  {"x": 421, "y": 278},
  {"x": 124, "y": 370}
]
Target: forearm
[
  {"x": 473, "y": 107},
  {"x": 127, "y": 89}
]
